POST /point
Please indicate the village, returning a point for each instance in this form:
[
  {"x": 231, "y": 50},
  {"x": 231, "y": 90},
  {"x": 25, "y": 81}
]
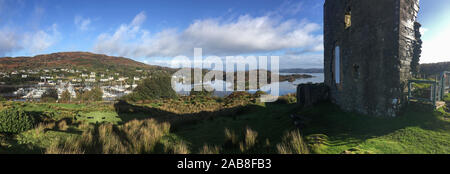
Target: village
[{"x": 30, "y": 85}]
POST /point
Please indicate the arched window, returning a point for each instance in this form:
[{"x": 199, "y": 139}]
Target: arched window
[
  {"x": 337, "y": 65},
  {"x": 348, "y": 18}
]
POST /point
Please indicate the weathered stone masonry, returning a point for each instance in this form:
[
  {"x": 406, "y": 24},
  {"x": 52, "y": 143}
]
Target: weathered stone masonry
[{"x": 368, "y": 51}]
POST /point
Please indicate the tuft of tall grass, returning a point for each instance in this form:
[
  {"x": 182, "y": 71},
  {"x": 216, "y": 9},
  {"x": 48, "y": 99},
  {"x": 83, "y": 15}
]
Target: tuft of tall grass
[
  {"x": 231, "y": 138},
  {"x": 65, "y": 148},
  {"x": 180, "y": 148},
  {"x": 209, "y": 150},
  {"x": 249, "y": 140},
  {"x": 42, "y": 127},
  {"x": 83, "y": 125},
  {"x": 62, "y": 125},
  {"x": 134, "y": 137},
  {"x": 292, "y": 143}
]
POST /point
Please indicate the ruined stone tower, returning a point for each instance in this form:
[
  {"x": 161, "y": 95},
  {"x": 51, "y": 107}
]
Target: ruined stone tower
[{"x": 368, "y": 50}]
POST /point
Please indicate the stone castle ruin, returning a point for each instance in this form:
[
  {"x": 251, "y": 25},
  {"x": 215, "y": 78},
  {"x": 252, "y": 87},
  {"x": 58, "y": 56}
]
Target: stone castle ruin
[{"x": 369, "y": 46}]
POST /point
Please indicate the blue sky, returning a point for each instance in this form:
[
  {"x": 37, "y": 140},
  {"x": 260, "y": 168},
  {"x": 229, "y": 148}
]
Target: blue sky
[{"x": 154, "y": 31}]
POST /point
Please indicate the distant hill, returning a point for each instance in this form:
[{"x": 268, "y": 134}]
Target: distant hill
[
  {"x": 301, "y": 70},
  {"x": 73, "y": 60},
  {"x": 434, "y": 68}
]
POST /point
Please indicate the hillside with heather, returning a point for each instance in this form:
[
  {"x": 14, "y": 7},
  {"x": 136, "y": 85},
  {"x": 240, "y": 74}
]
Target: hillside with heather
[{"x": 71, "y": 60}]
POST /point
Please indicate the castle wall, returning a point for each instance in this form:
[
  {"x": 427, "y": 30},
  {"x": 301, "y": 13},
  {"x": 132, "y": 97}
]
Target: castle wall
[{"x": 375, "y": 53}]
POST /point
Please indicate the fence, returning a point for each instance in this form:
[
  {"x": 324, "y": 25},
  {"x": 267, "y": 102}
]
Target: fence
[
  {"x": 445, "y": 84},
  {"x": 438, "y": 88}
]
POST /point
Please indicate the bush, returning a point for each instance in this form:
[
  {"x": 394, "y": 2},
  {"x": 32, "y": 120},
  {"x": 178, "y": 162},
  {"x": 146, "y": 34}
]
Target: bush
[
  {"x": 153, "y": 88},
  {"x": 15, "y": 121}
]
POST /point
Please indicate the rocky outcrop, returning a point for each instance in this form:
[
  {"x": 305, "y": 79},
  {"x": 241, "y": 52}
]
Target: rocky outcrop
[{"x": 310, "y": 94}]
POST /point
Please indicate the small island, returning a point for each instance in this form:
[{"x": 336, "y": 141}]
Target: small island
[{"x": 293, "y": 77}]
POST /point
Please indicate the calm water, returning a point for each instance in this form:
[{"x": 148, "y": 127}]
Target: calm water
[{"x": 285, "y": 87}]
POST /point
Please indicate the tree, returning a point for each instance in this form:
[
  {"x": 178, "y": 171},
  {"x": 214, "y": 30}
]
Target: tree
[
  {"x": 417, "y": 50},
  {"x": 156, "y": 87},
  {"x": 50, "y": 95},
  {"x": 65, "y": 96},
  {"x": 95, "y": 94}
]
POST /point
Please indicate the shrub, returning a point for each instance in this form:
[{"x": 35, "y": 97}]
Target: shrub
[
  {"x": 15, "y": 121},
  {"x": 293, "y": 143}
]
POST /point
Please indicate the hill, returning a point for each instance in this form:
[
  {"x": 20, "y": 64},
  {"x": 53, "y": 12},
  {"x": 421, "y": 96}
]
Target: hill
[
  {"x": 300, "y": 70},
  {"x": 434, "y": 68},
  {"x": 85, "y": 60}
]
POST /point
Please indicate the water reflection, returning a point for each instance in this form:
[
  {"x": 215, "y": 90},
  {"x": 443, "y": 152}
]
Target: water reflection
[{"x": 284, "y": 87}]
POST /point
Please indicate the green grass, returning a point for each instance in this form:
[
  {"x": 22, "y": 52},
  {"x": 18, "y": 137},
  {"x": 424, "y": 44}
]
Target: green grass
[
  {"x": 271, "y": 121},
  {"x": 40, "y": 141},
  {"x": 68, "y": 105},
  {"x": 330, "y": 130},
  {"x": 447, "y": 98},
  {"x": 415, "y": 131},
  {"x": 100, "y": 117}
]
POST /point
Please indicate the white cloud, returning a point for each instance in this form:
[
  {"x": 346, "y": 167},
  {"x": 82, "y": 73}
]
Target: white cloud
[
  {"x": 423, "y": 30},
  {"x": 301, "y": 60},
  {"x": 287, "y": 8},
  {"x": 35, "y": 42},
  {"x": 435, "y": 49},
  {"x": 139, "y": 19},
  {"x": 9, "y": 41},
  {"x": 82, "y": 23},
  {"x": 243, "y": 35}
]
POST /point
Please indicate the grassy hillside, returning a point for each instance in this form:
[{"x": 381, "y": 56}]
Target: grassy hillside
[{"x": 238, "y": 124}]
